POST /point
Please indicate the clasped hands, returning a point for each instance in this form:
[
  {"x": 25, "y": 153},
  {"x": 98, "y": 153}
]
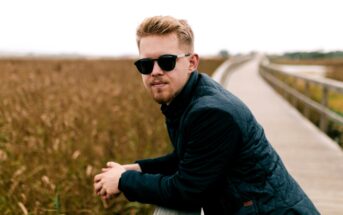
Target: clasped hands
[{"x": 106, "y": 183}]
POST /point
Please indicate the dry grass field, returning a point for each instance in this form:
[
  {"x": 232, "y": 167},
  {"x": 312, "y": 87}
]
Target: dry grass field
[{"x": 61, "y": 120}]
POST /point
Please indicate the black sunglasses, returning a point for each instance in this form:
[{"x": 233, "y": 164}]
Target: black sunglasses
[{"x": 165, "y": 62}]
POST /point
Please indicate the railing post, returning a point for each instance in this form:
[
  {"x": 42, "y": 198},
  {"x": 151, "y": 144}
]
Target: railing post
[
  {"x": 307, "y": 93},
  {"x": 293, "y": 84},
  {"x": 323, "y": 118}
]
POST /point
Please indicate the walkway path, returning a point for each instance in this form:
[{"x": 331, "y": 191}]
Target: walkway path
[{"x": 313, "y": 159}]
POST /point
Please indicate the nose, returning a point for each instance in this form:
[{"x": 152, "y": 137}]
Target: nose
[{"x": 156, "y": 70}]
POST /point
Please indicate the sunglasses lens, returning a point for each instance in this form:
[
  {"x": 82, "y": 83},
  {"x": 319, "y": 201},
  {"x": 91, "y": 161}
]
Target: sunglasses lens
[
  {"x": 167, "y": 62},
  {"x": 145, "y": 66}
]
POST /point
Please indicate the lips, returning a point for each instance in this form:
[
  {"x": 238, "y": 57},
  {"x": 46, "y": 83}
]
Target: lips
[{"x": 158, "y": 83}]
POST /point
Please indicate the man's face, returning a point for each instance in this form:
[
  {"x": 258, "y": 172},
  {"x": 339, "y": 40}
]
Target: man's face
[{"x": 164, "y": 86}]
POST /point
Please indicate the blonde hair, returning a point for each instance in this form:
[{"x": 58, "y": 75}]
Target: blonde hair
[{"x": 164, "y": 25}]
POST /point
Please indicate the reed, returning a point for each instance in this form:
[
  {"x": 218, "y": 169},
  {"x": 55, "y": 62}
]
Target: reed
[{"x": 61, "y": 120}]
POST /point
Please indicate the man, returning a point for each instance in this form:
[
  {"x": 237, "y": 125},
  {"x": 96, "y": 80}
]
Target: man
[{"x": 222, "y": 161}]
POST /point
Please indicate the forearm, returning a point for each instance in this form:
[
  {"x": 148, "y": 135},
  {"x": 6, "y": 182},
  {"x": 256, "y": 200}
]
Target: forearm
[
  {"x": 155, "y": 189},
  {"x": 134, "y": 167},
  {"x": 165, "y": 165}
]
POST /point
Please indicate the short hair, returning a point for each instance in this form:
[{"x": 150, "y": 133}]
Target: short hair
[{"x": 164, "y": 25}]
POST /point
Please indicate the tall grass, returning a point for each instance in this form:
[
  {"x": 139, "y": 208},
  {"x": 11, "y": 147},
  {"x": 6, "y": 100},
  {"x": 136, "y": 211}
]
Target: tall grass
[{"x": 61, "y": 121}]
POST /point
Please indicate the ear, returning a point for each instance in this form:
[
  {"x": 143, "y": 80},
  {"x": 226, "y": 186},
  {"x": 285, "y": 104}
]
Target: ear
[{"x": 193, "y": 62}]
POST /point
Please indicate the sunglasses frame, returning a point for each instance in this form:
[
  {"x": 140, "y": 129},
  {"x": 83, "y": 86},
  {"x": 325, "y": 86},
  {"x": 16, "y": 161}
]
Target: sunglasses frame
[{"x": 151, "y": 63}]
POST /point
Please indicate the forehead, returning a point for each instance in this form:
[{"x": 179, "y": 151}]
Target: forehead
[{"x": 154, "y": 46}]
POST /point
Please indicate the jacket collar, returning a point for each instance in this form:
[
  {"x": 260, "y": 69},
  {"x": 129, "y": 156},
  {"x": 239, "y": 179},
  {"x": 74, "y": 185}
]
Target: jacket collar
[{"x": 176, "y": 108}]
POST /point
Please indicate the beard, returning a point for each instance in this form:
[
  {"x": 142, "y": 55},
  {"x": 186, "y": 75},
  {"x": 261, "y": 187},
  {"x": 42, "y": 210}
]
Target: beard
[{"x": 161, "y": 97}]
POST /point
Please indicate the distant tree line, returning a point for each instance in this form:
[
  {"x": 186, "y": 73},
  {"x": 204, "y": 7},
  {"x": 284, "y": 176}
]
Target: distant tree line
[
  {"x": 314, "y": 55},
  {"x": 224, "y": 53}
]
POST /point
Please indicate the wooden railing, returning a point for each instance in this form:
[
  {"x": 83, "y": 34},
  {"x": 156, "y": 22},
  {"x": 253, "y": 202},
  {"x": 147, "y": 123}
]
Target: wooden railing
[
  {"x": 270, "y": 74},
  {"x": 221, "y": 73}
]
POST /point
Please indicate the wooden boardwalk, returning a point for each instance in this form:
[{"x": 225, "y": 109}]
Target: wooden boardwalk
[{"x": 313, "y": 159}]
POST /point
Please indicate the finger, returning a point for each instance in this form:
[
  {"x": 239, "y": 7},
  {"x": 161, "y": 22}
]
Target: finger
[
  {"x": 111, "y": 164},
  {"x": 105, "y": 169},
  {"x": 104, "y": 197},
  {"x": 97, "y": 187},
  {"x": 98, "y": 192},
  {"x": 109, "y": 196},
  {"x": 98, "y": 177},
  {"x": 103, "y": 192}
]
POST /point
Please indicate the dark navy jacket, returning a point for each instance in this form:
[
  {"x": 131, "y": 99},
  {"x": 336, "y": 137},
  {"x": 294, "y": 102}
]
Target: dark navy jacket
[{"x": 221, "y": 161}]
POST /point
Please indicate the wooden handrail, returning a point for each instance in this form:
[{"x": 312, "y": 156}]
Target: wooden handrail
[
  {"x": 268, "y": 72},
  {"x": 329, "y": 83},
  {"x": 220, "y": 74}
]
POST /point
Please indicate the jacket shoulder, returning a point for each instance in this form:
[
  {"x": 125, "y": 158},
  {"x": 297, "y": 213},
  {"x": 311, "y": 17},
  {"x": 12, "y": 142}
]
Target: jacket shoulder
[{"x": 209, "y": 96}]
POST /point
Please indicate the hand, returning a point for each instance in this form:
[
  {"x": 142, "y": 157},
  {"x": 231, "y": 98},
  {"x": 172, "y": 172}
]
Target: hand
[{"x": 106, "y": 183}]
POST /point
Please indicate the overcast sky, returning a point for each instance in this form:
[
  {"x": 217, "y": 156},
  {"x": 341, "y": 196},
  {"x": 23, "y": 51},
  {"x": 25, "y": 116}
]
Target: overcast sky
[{"x": 107, "y": 27}]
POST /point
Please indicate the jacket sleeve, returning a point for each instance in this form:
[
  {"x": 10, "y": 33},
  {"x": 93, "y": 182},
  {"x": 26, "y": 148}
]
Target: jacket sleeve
[
  {"x": 166, "y": 165},
  {"x": 210, "y": 139}
]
